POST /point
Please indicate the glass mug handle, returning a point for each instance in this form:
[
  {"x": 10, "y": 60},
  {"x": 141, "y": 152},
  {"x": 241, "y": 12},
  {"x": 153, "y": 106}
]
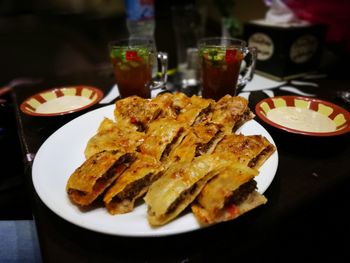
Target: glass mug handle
[
  {"x": 250, "y": 55},
  {"x": 162, "y": 57}
]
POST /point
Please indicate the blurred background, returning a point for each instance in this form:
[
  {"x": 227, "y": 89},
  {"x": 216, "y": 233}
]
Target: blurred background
[
  {"x": 55, "y": 37},
  {"x": 44, "y": 38}
]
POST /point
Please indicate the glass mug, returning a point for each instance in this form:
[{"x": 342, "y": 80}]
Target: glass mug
[
  {"x": 221, "y": 60},
  {"x": 134, "y": 65}
]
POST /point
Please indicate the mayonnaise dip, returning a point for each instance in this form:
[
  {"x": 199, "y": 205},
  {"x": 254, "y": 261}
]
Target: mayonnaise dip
[
  {"x": 302, "y": 119},
  {"x": 61, "y": 104}
]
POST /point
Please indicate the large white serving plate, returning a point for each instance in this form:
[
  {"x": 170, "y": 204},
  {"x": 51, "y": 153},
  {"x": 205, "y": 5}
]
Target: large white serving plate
[{"x": 63, "y": 152}]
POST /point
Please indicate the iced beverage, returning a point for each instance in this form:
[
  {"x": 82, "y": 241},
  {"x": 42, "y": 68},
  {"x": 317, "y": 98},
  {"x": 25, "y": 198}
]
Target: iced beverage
[
  {"x": 132, "y": 70},
  {"x": 220, "y": 70},
  {"x": 221, "y": 60}
]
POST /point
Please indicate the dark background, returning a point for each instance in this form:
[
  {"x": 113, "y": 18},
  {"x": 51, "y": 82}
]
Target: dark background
[{"x": 38, "y": 41}]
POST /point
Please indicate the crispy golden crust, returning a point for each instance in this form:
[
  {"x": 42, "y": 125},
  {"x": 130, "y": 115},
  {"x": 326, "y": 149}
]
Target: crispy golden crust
[
  {"x": 171, "y": 104},
  {"x": 221, "y": 187},
  {"x": 197, "y": 110},
  {"x": 89, "y": 180},
  {"x": 186, "y": 110},
  {"x": 231, "y": 112},
  {"x": 201, "y": 138},
  {"x": 132, "y": 184},
  {"x": 228, "y": 195},
  {"x": 178, "y": 187},
  {"x": 251, "y": 150},
  {"x": 111, "y": 136},
  {"x": 230, "y": 212},
  {"x": 162, "y": 135},
  {"x": 135, "y": 112}
]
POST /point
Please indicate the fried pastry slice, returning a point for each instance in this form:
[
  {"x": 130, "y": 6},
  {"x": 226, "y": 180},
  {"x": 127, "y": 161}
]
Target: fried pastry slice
[
  {"x": 135, "y": 112},
  {"x": 165, "y": 102},
  {"x": 171, "y": 104},
  {"x": 162, "y": 135},
  {"x": 111, "y": 136},
  {"x": 183, "y": 108},
  {"x": 178, "y": 187},
  {"x": 232, "y": 112},
  {"x": 201, "y": 138},
  {"x": 132, "y": 184},
  {"x": 228, "y": 195},
  {"x": 90, "y": 180},
  {"x": 251, "y": 150},
  {"x": 209, "y": 135},
  {"x": 196, "y": 111}
]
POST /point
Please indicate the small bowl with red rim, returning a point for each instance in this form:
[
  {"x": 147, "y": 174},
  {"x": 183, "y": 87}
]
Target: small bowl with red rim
[
  {"x": 61, "y": 100},
  {"x": 338, "y": 116}
]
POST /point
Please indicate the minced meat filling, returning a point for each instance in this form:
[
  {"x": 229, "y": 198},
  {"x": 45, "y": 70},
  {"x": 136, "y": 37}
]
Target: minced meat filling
[
  {"x": 122, "y": 163},
  {"x": 240, "y": 194},
  {"x": 203, "y": 148},
  {"x": 169, "y": 147},
  {"x": 203, "y": 114},
  {"x": 133, "y": 189},
  {"x": 245, "y": 117},
  {"x": 182, "y": 197}
]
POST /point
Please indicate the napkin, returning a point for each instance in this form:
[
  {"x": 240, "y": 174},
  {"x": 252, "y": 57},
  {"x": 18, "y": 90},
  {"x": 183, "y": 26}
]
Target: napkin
[{"x": 280, "y": 14}]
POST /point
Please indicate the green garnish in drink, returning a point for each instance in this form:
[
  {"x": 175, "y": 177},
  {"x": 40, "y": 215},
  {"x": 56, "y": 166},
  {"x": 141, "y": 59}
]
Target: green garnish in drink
[
  {"x": 129, "y": 54},
  {"x": 220, "y": 70},
  {"x": 213, "y": 55},
  {"x": 218, "y": 56}
]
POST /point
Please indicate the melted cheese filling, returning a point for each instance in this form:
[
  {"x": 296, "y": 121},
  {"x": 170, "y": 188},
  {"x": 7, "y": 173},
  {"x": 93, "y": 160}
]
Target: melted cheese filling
[
  {"x": 65, "y": 103},
  {"x": 301, "y": 119}
]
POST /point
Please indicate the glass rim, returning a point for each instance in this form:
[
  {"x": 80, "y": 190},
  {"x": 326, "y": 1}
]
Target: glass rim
[
  {"x": 131, "y": 43},
  {"x": 221, "y": 41}
]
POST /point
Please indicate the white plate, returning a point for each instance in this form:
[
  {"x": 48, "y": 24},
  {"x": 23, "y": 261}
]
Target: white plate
[{"x": 63, "y": 152}]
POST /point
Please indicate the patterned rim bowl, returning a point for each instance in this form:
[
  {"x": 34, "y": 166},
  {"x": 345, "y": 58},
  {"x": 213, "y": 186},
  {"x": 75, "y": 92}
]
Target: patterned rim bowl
[
  {"x": 61, "y": 100},
  {"x": 337, "y": 114}
]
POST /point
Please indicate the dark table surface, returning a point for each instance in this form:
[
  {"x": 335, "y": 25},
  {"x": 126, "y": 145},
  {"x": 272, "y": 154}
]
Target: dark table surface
[{"x": 305, "y": 217}]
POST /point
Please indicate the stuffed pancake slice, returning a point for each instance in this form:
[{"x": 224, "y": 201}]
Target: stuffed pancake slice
[
  {"x": 232, "y": 112},
  {"x": 198, "y": 110},
  {"x": 251, "y": 150},
  {"x": 92, "y": 178},
  {"x": 111, "y": 136},
  {"x": 178, "y": 187},
  {"x": 132, "y": 184},
  {"x": 228, "y": 195},
  {"x": 136, "y": 113},
  {"x": 200, "y": 139},
  {"x": 162, "y": 136}
]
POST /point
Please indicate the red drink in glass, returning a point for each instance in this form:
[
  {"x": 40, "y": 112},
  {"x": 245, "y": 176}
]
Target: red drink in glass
[
  {"x": 221, "y": 59},
  {"x": 132, "y": 70},
  {"x": 220, "y": 71}
]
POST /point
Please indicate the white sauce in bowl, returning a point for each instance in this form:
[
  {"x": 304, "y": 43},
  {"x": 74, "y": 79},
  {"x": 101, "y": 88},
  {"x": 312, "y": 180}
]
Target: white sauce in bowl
[
  {"x": 61, "y": 104},
  {"x": 301, "y": 119}
]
